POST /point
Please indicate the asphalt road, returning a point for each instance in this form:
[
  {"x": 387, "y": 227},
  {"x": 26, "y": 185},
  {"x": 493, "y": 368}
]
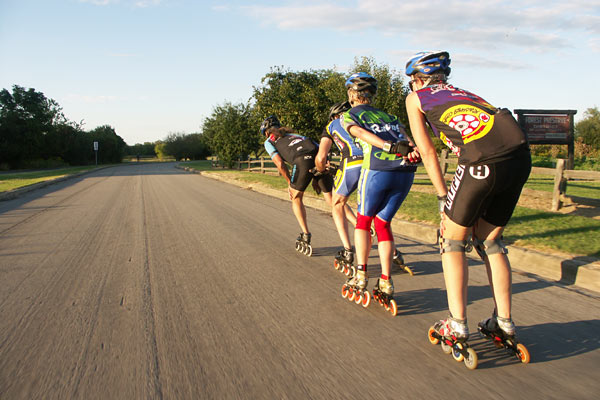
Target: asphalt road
[{"x": 148, "y": 282}]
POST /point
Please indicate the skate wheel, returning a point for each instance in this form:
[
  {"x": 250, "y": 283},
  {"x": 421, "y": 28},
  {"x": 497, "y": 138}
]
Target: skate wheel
[
  {"x": 309, "y": 251},
  {"x": 523, "y": 353},
  {"x": 352, "y": 271},
  {"x": 336, "y": 265},
  {"x": 346, "y": 270},
  {"x": 409, "y": 271},
  {"x": 393, "y": 308},
  {"x": 446, "y": 348},
  {"x": 471, "y": 360},
  {"x": 351, "y": 294},
  {"x": 344, "y": 291},
  {"x": 297, "y": 246},
  {"x": 366, "y": 299},
  {"x": 432, "y": 339},
  {"x": 456, "y": 354},
  {"x": 358, "y": 298}
]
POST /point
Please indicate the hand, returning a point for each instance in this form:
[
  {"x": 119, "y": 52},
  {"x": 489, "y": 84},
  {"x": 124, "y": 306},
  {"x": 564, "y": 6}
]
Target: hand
[
  {"x": 414, "y": 156},
  {"x": 402, "y": 147},
  {"x": 442, "y": 203},
  {"x": 315, "y": 185}
]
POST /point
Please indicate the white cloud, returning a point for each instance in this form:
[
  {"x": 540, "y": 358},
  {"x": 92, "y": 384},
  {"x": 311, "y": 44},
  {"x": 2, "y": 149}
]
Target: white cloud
[{"x": 542, "y": 25}]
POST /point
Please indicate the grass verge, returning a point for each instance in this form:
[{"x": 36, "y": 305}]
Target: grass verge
[
  {"x": 542, "y": 230},
  {"x": 11, "y": 181}
]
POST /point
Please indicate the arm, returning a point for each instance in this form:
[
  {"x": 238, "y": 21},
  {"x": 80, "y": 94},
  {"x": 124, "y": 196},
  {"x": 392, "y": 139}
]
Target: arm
[
  {"x": 321, "y": 158},
  {"x": 418, "y": 127},
  {"x": 282, "y": 168}
]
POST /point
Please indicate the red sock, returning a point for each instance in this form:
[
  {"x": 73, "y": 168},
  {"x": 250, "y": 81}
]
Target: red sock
[{"x": 384, "y": 277}]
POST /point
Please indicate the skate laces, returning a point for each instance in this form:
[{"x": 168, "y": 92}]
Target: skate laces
[
  {"x": 453, "y": 327},
  {"x": 495, "y": 323},
  {"x": 360, "y": 280},
  {"x": 386, "y": 286}
]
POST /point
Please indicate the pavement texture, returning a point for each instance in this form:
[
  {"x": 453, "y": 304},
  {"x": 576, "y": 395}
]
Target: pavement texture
[{"x": 574, "y": 272}]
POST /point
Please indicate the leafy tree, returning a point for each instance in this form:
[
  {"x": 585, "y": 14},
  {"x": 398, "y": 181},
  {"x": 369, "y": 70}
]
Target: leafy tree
[
  {"x": 111, "y": 147},
  {"x": 160, "y": 150},
  {"x": 588, "y": 129},
  {"x": 26, "y": 116},
  {"x": 230, "y": 132},
  {"x": 301, "y": 100},
  {"x": 142, "y": 149}
]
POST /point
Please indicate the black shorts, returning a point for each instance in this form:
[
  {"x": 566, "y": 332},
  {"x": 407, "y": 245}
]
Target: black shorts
[
  {"x": 487, "y": 191},
  {"x": 301, "y": 175}
]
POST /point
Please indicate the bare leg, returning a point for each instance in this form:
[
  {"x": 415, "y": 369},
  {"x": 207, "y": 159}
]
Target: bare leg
[
  {"x": 299, "y": 209},
  {"x": 456, "y": 273},
  {"x": 498, "y": 269},
  {"x": 339, "y": 218}
]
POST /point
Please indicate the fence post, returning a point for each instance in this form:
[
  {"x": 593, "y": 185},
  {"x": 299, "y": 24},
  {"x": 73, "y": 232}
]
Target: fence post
[
  {"x": 558, "y": 183},
  {"x": 444, "y": 161}
]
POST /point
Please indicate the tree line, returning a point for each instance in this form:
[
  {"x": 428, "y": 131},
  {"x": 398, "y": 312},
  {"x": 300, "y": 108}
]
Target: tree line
[
  {"x": 34, "y": 133},
  {"x": 33, "y": 129}
]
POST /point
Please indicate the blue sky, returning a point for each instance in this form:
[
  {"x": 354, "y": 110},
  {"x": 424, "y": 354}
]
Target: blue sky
[{"x": 152, "y": 67}]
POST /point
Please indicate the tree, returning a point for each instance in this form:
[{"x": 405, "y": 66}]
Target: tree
[
  {"x": 301, "y": 100},
  {"x": 26, "y": 117},
  {"x": 111, "y": 147},
  {"x": 230, "y": 132},
  {"x": 588, "y": 129}
]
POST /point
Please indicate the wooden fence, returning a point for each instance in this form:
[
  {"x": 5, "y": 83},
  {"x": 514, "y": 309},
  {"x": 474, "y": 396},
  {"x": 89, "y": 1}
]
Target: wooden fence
[{"x": 561, "y": 176}]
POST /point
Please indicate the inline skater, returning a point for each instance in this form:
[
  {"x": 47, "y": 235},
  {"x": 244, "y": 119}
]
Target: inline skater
[
  {"x": 494, "y": 163},
  {"x": 387, "y": 173},
  {"x": 284, "y": 145},
  {"x": 345, "y": 181}
]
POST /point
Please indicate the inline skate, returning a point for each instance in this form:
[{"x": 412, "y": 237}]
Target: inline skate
[
  {"x": 343, "y": 262},
  {"x": 303, "y": 244},
  {"x": 398, "y": 264},
  {"x": 453, "y": 335},
  {"x": 355, "y": 289},
  {"x": 502, "y": 333},
  {"x": 382, "y": 292}
]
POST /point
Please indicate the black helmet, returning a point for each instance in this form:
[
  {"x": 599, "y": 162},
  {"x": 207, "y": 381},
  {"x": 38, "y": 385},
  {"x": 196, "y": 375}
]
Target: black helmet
[
  {"x": 337, "y": 109},
  {"x": 362, "y": 81},
  {"x": 270, "y": 122}
]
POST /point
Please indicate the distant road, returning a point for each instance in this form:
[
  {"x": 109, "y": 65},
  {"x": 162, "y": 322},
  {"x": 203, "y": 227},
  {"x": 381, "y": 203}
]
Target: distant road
[{"x": 147, "y": 282}]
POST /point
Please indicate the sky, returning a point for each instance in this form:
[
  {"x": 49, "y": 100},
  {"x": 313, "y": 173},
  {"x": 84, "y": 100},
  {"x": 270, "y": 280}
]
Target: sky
[{"x": 149, "y": 68}]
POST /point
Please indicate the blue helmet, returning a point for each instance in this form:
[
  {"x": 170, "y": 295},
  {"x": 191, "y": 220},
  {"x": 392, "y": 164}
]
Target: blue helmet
[
  {"x": 429, "y": 63},
  {"x": 360, "y": 81},
  {"x": 270, "y": 122}
]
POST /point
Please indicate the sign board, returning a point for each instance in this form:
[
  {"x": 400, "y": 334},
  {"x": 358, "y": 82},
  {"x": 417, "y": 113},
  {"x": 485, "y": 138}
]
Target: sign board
[
  {"x": 96, "y": 146},
  {"x": 547, "y": 126}
]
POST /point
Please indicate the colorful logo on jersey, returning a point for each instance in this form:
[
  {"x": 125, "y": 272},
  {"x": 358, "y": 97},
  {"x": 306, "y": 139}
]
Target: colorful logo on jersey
[
  {"x": 383, "y": 156},
  {"x": 339, "y": 143},
  {"x": 472, "y": 122}
]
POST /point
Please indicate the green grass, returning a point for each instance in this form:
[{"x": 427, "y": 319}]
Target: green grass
[
  {"x": 10, "y": 181},
  {"x": 538, "y": 229}
]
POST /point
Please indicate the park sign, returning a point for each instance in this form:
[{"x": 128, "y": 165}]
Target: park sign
[
  {"x": 547, "y": 126},
  {"x": 550, "y": 127}
]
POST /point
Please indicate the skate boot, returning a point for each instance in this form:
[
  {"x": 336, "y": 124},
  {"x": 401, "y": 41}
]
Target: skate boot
[
  {"x": 383, "y": 292},
  {"x": 453, "y": 333},
  {"x": 502, "y": 333},
  {"x": 355, "y": 289},
  {"x": 398, "y": 264},
  {"x": 343, "y": 262},
  {"x": 303, "y": 244}
]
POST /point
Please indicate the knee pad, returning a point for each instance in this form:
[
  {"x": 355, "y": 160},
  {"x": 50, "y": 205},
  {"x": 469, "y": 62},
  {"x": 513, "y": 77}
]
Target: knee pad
[
  {"x": 363, "y": 222},
  {"x": 487, "y": 247},
  {"x": 383, "y": 230},
  {"x": 452, "y": 246}
]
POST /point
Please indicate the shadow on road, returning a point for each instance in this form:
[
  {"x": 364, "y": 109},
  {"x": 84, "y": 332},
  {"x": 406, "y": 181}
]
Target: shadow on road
[{"x": 545, "y": 342}]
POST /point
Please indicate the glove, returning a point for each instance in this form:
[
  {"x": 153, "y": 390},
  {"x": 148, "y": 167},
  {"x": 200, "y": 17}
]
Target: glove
[
  {"x": 402, "y": 147},
  {"x": 442, "y": 202}
]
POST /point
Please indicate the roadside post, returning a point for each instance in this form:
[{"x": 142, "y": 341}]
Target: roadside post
[{"x": 96, "y": 151}]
